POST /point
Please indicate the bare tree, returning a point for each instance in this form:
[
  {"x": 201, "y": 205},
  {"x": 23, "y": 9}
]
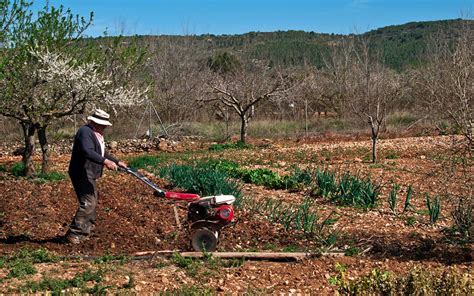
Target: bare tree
[
  {"x": 178, "y": 79},
  {"x": 376, "y": 90},
  {"x": 361, "y": 84},
  {"x": 446, "y": 83},
  {"x": 243, "y": 87},
  {"x": 337, "y": 75}
]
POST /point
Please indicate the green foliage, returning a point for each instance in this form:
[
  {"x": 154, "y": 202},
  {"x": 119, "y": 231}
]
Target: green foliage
[
  {"x": 391, "y": 155},
  {"x": 352, "y": 251},
  {"x": 434, "y": 208},
  {"x": 18, "y": 169},
  {"x": 237, "y": 145},
  {"x": 57, "y": 286},
  {"x": 51, "y": 176},
  {"x": 223, "y": 63},
  {"x": 21, "y": 263},
  {"x": 20, "y": 268},
  {"x": 392, "y": 198},
  {"x": 401, "y": 47},
  {"x": 3, "y": 168},
  {"x": 416, "y": 282},
  {"x": 301, "y": 217},
  {"x": 261, "y": 176},
  {"x": 292, "y": 248},
  {"x": 180, "y": 261},
  {"x": 346, "y": 190},
  {"x": 203, "y": 181},
  {"x": 410, "y": 220},
  {"x": 408, "y": 199},
  {"x": 148, "y": 162},
  {"x": 110, "y": 258},
  {"x": 326, "y": 183}
]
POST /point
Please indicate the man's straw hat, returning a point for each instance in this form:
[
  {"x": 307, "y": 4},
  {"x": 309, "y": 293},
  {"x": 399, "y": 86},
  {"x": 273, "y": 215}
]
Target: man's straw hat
[{"x": 100, "y": 117}]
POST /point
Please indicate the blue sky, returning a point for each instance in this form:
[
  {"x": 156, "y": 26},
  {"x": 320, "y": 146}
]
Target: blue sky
[{"x": 179, "y": 17}]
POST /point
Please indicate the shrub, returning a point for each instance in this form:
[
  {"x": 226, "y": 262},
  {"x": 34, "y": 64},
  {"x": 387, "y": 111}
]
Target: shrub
[{"x": 18, "y": 169}]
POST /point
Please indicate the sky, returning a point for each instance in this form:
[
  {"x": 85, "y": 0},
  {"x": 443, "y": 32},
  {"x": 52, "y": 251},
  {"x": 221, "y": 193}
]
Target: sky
[{"x": 196, "y": 17}]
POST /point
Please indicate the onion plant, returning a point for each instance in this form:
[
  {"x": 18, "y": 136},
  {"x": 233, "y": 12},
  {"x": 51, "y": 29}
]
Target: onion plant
[{"x": 434, "y": 208}]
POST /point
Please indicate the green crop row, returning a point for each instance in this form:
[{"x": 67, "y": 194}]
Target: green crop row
[
  {"x": 346, "y": 189},
  {"x": 297, "y": 180}
]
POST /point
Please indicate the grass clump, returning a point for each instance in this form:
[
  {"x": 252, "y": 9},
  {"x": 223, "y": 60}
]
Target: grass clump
[
  {"x": 110, "y": 258},
  {"x": 225, "y": 146},
  {"x": 21, "y": 263},
  {"x": 58, "y": 286},
  {"x": 48, "y": 177},
  {"x": 18, "y": 170}
]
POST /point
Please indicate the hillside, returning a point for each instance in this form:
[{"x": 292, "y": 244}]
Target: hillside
[{"x": 402, "y": 46}]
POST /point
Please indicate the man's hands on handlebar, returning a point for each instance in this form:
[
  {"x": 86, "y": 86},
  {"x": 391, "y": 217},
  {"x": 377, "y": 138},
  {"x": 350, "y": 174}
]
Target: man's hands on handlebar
[{"x": 114, "y": 166}]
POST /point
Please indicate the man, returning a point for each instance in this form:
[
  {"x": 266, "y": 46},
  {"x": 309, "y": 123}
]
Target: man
[{"x": 87, "y": 161}]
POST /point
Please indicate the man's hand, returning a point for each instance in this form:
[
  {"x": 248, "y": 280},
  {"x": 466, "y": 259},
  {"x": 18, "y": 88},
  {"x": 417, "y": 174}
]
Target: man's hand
[
  {"x": 110, "y": 165},
  {"x": 122, "y": 164}
]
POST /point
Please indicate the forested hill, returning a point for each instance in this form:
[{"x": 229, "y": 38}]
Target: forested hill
[{"x": 400, "y": 46}]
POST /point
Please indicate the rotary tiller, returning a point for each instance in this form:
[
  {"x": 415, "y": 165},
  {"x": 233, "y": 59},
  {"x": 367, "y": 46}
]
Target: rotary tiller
[{"x": 206, "y": 215}]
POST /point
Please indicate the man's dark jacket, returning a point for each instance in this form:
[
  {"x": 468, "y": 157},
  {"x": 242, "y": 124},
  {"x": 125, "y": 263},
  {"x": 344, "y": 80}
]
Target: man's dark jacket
[{"x": 86, "y": 159}]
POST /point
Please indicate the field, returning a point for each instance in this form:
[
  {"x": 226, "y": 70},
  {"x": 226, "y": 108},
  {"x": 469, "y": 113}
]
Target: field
[{"x": 396, "y": 240}]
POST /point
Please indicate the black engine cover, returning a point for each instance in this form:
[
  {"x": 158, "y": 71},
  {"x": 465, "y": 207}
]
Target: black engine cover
[{"x": 197, "y": 212}]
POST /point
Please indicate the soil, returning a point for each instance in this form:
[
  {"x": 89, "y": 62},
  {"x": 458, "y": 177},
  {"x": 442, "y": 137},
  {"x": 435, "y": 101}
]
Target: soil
[{"x": 132, "y": 219}]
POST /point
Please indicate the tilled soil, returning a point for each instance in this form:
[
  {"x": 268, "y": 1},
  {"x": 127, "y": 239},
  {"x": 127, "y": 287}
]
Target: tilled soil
[{"x": 131, "y": 219}]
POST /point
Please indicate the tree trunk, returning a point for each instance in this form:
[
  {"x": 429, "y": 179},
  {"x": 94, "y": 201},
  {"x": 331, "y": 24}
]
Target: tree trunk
[
  {"x": 44, "y": 149},
  {"x": 243, "y": 128},
  {"x": 374, "y": 148},
  {"x": 29, "y": 136}
]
